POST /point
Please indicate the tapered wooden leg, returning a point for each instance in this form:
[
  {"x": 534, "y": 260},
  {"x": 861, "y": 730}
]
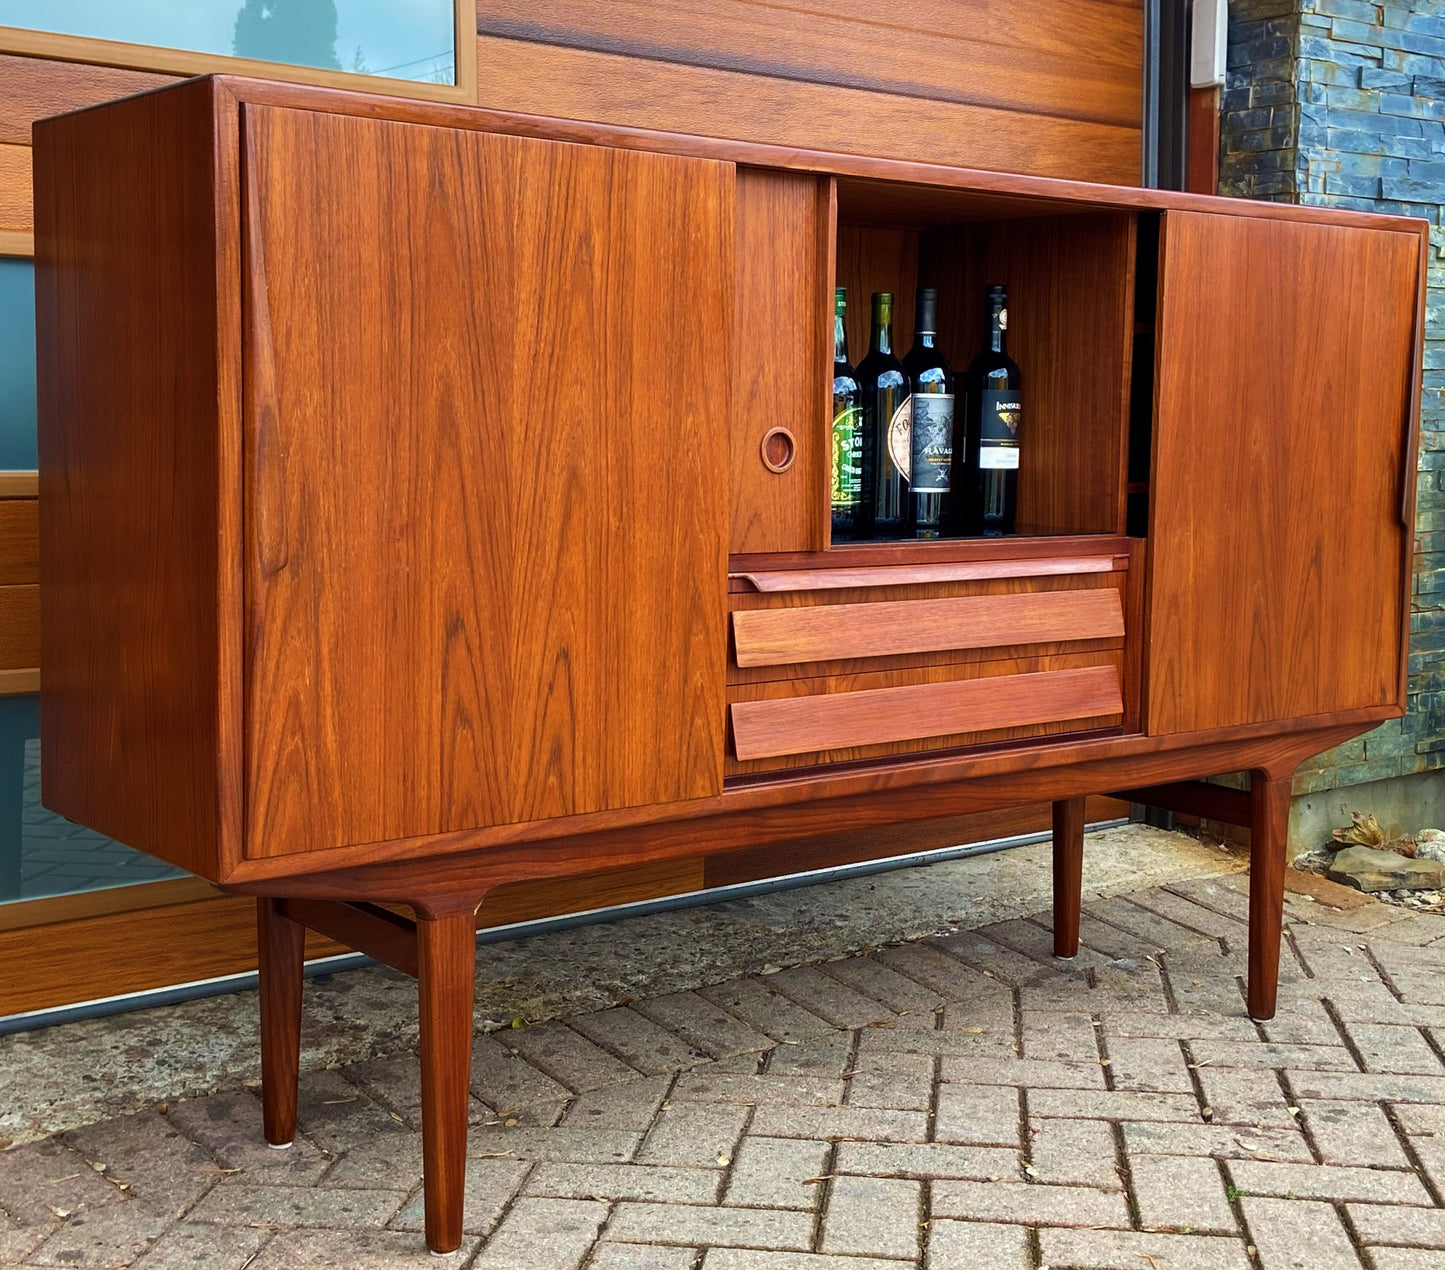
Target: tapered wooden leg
[
  {"x": 282, "y": 948},
  {"x": 1269, "y": 834},
  {"x": 446, "y": 964},
  {"x": 1068, "y": 874}
]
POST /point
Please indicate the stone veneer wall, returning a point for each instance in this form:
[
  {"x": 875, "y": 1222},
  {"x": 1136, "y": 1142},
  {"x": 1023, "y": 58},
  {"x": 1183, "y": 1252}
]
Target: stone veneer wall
[{"x": 1341, "y": 103}]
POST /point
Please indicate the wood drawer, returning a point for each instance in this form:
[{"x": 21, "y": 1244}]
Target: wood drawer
[
  {"x": 836, "y": 666},
  {"x": 838, "y": 632},
  {"x": 823, "y": 721}
]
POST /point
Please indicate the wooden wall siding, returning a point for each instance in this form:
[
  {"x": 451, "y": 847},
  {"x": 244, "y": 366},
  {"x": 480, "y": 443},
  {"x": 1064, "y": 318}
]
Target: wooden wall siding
[
  {"x": 1269, "y": 599},
  {"x": 64, "y": 959},
  {"x": 32, "y": 88},
  {"x": 99, "y": 949},
  {"x": 1075, "y": 58},
  {"x": 1035, "y": 100},
  {"x": 19, "y": 594},
  {"x": 493, "y": 641},
  {"x": 16, "y": 214}
]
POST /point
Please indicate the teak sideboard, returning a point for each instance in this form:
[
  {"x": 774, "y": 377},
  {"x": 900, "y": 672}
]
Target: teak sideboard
[{"x": 433, "y": 498}]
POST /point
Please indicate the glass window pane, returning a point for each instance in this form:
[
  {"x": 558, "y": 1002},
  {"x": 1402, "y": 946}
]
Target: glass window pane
[
  {"x": 42, "y": 854},
  {"x": 17, "y": 364},
  {"x": 401, "y": 39}
]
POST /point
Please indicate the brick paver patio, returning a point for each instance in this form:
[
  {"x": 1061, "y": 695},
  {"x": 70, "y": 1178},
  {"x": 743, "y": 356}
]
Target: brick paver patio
[{"x": 951, "y": 1104}]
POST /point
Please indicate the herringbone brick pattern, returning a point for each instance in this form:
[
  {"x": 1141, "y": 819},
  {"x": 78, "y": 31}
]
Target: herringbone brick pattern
[{"x": 950, "y": 1104}]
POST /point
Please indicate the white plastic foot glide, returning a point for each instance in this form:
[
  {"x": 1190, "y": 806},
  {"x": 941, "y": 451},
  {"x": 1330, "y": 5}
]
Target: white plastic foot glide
[{"x": 281, "y": 1146}]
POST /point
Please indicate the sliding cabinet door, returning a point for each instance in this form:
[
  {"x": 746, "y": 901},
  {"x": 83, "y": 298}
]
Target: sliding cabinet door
[
  {"x": 486, "y": 460},
  {"x": 1282, "y": 466}
]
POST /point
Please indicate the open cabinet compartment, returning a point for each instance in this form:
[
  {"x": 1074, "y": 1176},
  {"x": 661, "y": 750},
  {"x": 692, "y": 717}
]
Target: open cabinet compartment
[
  {"x": 863, "y": 651},
  {"x": 1070, "y": 274}
]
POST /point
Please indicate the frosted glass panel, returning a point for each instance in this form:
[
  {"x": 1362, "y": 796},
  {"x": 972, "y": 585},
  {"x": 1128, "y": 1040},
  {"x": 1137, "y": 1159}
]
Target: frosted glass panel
[{"x": 402, "y": 39}]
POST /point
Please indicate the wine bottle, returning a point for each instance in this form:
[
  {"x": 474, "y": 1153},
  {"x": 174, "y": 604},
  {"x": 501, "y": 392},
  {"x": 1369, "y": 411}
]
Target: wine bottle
[
  {"x": 887, "y": 429},
  {"x": 986, "y": 467},
  {"x": 847, "y": 430},
  {"x": 930, "y": 387}
]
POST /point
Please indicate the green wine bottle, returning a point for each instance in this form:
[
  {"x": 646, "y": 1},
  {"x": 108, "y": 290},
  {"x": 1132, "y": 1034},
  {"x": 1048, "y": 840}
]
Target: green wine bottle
[
  {"x": 887, "y": 431},
  {"x": 847, "y": 430}
]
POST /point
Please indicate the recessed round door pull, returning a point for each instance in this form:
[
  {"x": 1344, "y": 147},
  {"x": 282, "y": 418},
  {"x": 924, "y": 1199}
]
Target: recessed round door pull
[{"x": 778, "y": 449}]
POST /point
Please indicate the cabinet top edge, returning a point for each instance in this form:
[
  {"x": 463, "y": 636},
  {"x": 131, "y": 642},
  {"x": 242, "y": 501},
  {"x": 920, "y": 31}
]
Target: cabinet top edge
[{"x": 859, "y": 170}]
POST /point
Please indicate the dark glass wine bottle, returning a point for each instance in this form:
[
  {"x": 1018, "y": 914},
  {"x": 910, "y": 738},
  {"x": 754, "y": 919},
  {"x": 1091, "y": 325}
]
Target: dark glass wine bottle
[
  {"x": 986, "y": 466},
  {"x": 886, "y": 431},
  {"x": 930, "y": 387},
  {"x": 847, "y": 430}
]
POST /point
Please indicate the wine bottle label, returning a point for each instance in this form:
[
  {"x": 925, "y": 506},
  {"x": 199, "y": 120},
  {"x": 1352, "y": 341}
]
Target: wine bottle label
[
  {"x": 998, "y": 435},
  {"x": 900, "y": 438},
  {"x": 847, "y": 457},
  {"x": 932, "y": 442}
]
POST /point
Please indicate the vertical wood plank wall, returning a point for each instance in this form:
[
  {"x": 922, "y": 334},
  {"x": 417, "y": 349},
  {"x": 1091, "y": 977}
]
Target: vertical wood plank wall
[{"x": 1046, "y": 87}]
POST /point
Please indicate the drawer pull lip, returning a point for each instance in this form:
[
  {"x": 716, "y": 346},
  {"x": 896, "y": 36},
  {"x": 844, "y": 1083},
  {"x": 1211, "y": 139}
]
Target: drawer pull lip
[
  {"x": 779, "y": 726},
  {"x": 847, "y": 632},
  {"x": 857, "y": 578}
]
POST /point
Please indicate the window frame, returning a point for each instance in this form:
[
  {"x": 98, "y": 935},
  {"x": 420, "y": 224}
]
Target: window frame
[{"x": 150, "y": 57}]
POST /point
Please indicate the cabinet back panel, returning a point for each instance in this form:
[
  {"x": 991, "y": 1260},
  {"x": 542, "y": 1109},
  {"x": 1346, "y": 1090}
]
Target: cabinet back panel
[
  {"x": 875, "y": 258},
  {"x": 1282, "y": 373},
  {"x": 1071, "y": 298},
  {"x": 784, "y": 295},
  {"x": 487, "y": 398},
  {"x": 1070, "y": 286}
]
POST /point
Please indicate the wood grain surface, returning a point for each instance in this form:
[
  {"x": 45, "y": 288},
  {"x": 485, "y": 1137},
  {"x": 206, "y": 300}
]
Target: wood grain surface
[
  {"x": 757, "y": 812},
  {"x": 1102, "y": 592},
  {"x": 782, "y": 302},
  {"x": 849, "y": 846},
  {"x": 876, "y": 258},
  {"x": 19, "y": 626},
  {"x": 585, "y": 84},
  {"x": 35, "y": 87},
  {"x": 1080, "y": 59},
  {"x": 281, "y": 946},
  {"x": 528, "y": 608},
  {"x": 562, "y": 755},
  {"x": 67, "y": 953},
  {"x": 1016, "y": 185},
  {"x": 842, "y": 720},
  {"x": 1070, "y": 286},
  {"x": 1068, "y": 845},
  {"x": 19, "y": 542},
  {"x": 1283, "y": 385},
  {"x": 922, "y": 670},
  {"x": 368, "y": 928},
  {"x": 832, "y": 579},
  {"x": 446, "y": 987},
  {"x": 17, "y": 214},
  {"x": 1071, "y": 298},
  {"x": 773, "y": 637},
  {"x": 1269, "y": 795},
  {"x": 129, "y": 234}
]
